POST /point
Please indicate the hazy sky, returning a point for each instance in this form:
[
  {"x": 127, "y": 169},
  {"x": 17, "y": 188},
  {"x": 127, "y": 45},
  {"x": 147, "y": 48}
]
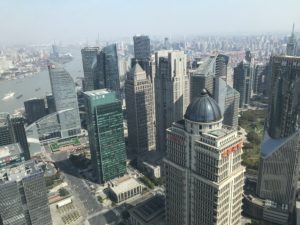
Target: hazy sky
[{"x": 41, "y": 21}]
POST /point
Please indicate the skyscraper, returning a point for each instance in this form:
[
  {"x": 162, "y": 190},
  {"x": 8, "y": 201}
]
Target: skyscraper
[
  {"x": 106, "y": 69},
  {"x": 258, "y": 78},
  {"x": 35, "y": 109},
  {"x": 228, "y": 100},
  {"x": 7, "y": 135},
  {"x": 171, "y": 92},
  {"x": 242, "y": 79},
  {"x": 89, "y": 56},
  {"x": 20, "y": 135},
  {"x": 12, "y": 131},
  {"x": 203, "y": 77},
  {"x": 140, "y": 112},
  {"x": 65, "y": 99},
  {"x": 204, "y": 175},
  {"x": 221, "y": 66},
  {"x": 279, "y": 157},
  {"x": 141, "y": 44},
  {"x": 106, "y": 134},
  {"x": 23, "y": 195},
  {"x": 291, "y": 47}
]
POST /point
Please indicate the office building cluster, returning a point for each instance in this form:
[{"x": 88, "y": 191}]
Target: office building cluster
[{"x": 184, "y": 108}]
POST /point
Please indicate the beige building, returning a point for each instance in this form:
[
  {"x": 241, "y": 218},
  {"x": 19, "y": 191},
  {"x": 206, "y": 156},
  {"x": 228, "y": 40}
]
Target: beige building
[
  {"x": 140, "y": 111},
  {"x": 204, "y": 175},
  {"x": 171, "y": 91},
  {"x": 124, "y": 188}
]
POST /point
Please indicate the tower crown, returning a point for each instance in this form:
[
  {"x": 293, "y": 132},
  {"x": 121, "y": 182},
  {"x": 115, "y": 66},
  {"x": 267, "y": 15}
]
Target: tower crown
[{"x": 203, "y": 109}]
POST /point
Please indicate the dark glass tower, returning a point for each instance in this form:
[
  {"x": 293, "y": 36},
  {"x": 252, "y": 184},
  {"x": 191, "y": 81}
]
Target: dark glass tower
[
  {"x": 20, "y": 135},
  {"x": 106, "y": 69},
  {"x": 34, "y": 109},
  {"x": 106, "y": 134},
  {"x": 7, "y": 135},
  {"x": 12, "y": 131},
  {"x": 89, "y": 55},
  {"x": 280, "y": 155},
  {"x": 141, "y": 44}
]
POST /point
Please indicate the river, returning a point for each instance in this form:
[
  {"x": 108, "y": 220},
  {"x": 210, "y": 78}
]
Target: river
[{"x": 27, "y": 86}]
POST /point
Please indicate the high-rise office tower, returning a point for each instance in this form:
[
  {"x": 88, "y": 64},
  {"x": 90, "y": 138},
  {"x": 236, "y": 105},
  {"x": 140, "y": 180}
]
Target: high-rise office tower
[
  {"x": 146, "y": 65},
  {"x": 221, "y": 66},
  {"x": 106, "y": 69},
  {"x": 228, "y": 100},
  {"x": 35, "y": 109},
  {"x": 258, "y": 76},
  {"x": 139, "y": 110},
  {"x": 106, "y": 134},
  {"x": 242, "y": 79},
  {"x": 65, "y": 99},
  {"x": 204, "y": 175},
  {"x": 203, "y": 77},
  {"x": 50, "y": 104},
  {"x": 12, "y": 131},
  {"x": 167, "y": 44},
  {"x": 23, "y": 194},
  {"x": 291, "y": 47},
  {"x": 89, "y": 56},
  {"x": 171, "y": 92},
  {"x": 7, "y": 135},
  {"x": 20, "y": 134},
  {"x": 141, "y": 45},
  {"x": 279, "y": 157}
]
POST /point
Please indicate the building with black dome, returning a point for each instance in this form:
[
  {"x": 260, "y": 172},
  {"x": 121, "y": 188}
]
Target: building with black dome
[{"x": 204, "y": 175}]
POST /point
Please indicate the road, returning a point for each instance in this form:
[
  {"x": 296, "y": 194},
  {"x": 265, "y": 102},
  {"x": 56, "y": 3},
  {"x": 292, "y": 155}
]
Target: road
[{"x": 78, "y": 186}]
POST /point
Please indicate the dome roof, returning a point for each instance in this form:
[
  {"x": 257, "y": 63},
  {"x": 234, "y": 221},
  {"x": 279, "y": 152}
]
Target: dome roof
[{"x": 203, "y": 109}]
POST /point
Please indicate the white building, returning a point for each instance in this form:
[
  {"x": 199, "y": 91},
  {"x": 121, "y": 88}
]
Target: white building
[
  {"x": 204, "y": 175},
  {"x": 124, "y": 188}
]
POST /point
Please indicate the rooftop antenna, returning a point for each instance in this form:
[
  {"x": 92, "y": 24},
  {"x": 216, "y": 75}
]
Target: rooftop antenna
[{"x": 98, "y": 41}]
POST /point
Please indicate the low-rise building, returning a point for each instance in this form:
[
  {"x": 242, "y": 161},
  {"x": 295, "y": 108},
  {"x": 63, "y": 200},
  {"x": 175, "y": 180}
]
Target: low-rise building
[
  {"x": 150, "y": 212},
  {"x": 152, "y": 170},
  {"x": 10, "y": 154},
  {"x": 124, "y": 188}
]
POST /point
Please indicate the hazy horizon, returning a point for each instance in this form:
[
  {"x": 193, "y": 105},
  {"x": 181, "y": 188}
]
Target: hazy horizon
[{"x": 35, "y": 21}]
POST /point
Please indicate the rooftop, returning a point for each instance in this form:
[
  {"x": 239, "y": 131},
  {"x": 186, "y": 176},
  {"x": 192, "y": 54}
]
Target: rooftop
[
  {"x": 19, "y": 172},
  {"x": 270, "y": 145},
  {"x": 204, "y": 66},
  {"x": 120, "y": 186},
  {"x": 218, "y": 133},
  {"x": 4, "y": 119},
  {"x": 150, "y": 209},
  {"x": 99, "y": 92},
  {"x": 10, "y": 150}
]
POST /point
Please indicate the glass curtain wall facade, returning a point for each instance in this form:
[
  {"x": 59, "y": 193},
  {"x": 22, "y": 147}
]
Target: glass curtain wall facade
[{"x": 106, "y": 134}]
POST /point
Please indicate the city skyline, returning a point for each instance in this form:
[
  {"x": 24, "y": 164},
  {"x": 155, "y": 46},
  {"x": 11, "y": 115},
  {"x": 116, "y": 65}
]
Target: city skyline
[
  {"x": 102, "y": 121},
  {"x": 72, "y": 18}
]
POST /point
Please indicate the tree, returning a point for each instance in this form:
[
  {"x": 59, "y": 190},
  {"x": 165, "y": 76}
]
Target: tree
[
  {"x": 253, "y": 137},
  {"x": 147, "y": 182},
  {"x": 255, "y": 222},
  {"x": 63, "y": 192}
]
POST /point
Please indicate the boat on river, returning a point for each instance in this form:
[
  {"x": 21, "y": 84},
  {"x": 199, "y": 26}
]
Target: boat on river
[{"x": 8, "y": 96}]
